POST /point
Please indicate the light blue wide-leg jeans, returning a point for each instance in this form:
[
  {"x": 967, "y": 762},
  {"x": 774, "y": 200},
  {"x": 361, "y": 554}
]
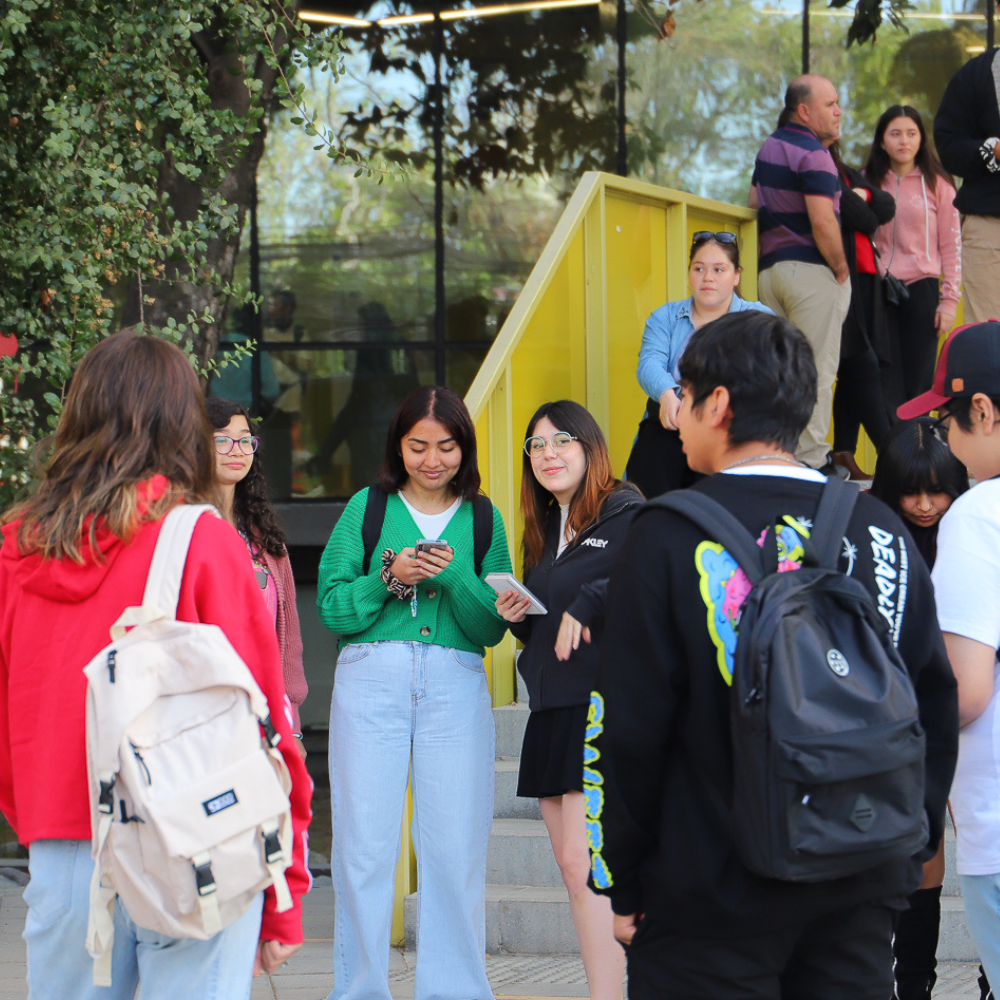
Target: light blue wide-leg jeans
[
  {"x": 59, "y": 968},
  {"x": 393, "y": 702},
  {"x": 981, "y": 895}
]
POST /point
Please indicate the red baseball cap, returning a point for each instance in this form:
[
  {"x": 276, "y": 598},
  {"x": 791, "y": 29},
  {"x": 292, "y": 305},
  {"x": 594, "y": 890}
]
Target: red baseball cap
[{"x": 969, "y": 363}]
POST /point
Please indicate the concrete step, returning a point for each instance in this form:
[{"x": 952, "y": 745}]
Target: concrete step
[
  {"x": 506, "y": 804},
  {"x": 532, "y": 920},
  {"x": 520, "y": 854},
  {"x": 510, "y": 722},
  {"x": 520, "y": 920}
]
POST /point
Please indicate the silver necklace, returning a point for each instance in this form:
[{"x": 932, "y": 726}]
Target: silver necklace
[{"x": 761, "y": 458}]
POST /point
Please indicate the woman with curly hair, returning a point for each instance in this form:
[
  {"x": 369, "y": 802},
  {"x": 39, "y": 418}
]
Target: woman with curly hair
[{"x": 241, "y": 496}]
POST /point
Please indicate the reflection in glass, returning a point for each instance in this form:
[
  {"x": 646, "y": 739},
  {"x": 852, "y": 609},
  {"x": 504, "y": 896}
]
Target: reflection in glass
[{"x": 382, "y": 376}]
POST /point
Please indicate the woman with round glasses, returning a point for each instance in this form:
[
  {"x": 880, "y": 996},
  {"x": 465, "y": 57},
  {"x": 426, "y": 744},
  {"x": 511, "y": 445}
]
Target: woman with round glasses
[
  {"x": 241, "y": 496},
  {"x": 410, "y": 699},
  {"x": 576, "y": 515},
  {"x": 657, "y": 463}
]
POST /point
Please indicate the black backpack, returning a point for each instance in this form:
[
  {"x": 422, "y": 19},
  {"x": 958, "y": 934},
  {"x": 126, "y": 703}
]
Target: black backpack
[
  {"x": 828, "y": 751},
  {"x": 374, "y": 517}
]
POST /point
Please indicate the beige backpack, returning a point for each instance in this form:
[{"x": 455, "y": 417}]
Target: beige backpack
[{"x": 189, "y": 793}]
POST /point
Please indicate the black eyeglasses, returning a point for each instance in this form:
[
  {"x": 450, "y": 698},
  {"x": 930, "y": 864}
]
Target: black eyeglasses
[
  {"x": 703, "y": 236},
  {"x": 224, "y": 444},
  {"x": 939, "y": 428}
]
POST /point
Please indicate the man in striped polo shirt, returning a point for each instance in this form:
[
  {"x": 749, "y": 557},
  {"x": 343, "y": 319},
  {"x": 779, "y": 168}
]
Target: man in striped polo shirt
[{"x": 803, "y": 272}]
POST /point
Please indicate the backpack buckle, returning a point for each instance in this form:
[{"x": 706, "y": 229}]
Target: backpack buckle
[
  {"x": 204, "y": 879},
  {"x": 272, "y": 847},
  {"x": 105, "y": 800},
  {"x": 271, "y": 734}
]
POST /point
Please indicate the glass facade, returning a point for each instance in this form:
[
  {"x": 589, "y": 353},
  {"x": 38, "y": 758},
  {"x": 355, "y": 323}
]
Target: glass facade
[{"x": 370, "y": 288}]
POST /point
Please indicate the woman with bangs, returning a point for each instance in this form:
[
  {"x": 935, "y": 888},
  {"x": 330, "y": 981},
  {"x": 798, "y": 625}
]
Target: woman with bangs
[
  {"x": 576, "y": 515},
  {"x": 919, "y": 478}
]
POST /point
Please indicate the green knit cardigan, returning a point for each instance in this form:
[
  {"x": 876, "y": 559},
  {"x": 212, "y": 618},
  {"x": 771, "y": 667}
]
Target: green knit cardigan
[{"x": 454, "y": 609}]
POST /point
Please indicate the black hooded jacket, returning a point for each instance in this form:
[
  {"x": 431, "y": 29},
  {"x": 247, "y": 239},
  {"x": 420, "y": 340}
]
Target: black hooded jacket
[
  {"x": 969, "y": 115},
  {"x": 576, "y": 582}
]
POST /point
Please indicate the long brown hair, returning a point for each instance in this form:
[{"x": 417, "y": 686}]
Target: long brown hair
[
  {"x": 879, "y": 164},
  {"x": 254, "y": 514},
  {"x": 598, "y": 480},
  {"x": 134, "y": 409}
]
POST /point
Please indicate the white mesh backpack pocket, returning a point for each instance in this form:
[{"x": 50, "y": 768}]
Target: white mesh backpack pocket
[{"x": 189, "y": 792}]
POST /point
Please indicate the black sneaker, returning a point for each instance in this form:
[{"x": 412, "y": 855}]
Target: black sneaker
[{"x": 833, "y": 471}]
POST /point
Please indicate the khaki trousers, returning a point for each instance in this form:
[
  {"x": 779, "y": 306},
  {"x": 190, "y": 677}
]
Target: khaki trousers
[
  {"x": 981, "y": 267},
  {"x": 809, "y": 296}
]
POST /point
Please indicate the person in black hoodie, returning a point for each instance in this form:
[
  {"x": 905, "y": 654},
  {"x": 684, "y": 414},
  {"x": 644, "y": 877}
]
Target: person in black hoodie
[
  {"x": 967, "y": 136},
  {"x": 659, "y": 779},
  {"x": 857, "y": 398},
  {"x": 576, "y": 515}
]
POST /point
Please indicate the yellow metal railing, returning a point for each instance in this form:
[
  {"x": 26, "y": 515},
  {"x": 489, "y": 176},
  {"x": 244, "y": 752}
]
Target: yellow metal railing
[{"x": 618, "y": 252}]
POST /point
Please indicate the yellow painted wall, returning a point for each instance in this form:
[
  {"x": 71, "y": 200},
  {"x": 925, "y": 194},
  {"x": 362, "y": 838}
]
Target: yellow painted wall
[{"x": 618, "y": 252}]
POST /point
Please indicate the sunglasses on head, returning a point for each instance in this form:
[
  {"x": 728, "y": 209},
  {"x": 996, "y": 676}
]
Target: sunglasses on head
[{"x": 703, "y": 236}]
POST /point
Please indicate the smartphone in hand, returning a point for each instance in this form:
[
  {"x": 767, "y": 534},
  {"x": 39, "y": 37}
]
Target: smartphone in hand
[{"x": 426, "y": 544}]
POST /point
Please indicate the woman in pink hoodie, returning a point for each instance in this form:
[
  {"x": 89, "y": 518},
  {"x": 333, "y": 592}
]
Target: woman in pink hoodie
[{"x": 921, "y": 246}]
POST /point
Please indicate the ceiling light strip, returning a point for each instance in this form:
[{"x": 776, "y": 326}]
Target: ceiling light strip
[
  {"x": 514, "y": 8},
  {"x": 447, "y": 15},
  {"x": 388, "y": 22},
  {"x": 321, "y": 18}
]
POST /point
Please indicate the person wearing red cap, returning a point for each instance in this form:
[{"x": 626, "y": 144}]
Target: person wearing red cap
[{"x": 966, "y": 576}]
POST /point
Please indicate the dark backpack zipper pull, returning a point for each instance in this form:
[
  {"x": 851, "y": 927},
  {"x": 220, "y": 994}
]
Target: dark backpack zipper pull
[
  {"x": 143, "y": 765},
  {"x": 112, "y": 658}
]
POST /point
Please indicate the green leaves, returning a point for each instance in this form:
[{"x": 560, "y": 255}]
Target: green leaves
[{"x": 117, "y": 149}]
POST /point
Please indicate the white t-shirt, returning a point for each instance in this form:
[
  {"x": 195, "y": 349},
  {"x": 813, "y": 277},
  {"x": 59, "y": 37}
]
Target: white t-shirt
[
  {"x": 966, "y": 580},
  {"x": 564, "y": 539},
  {"x": 431, "y": 525}
]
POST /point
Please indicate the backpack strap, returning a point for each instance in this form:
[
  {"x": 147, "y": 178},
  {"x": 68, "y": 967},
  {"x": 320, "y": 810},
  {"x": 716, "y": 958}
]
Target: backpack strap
[
  {"x": 720, "y": 525},
  {"x": 371, "y": 523},
  {"x": 163, "y": 584},
  {"x": 163, "y": 581},
  {"x": 101, "y": 916},
  {"x": 374, "y": 518},
  {"x": 482, "y": 529},
  {"x": 832, "y": 518}
]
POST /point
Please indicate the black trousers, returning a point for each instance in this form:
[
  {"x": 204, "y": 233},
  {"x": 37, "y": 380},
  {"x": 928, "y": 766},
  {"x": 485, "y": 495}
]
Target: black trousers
[
  {"x": 912, "y": 344},
  {"x": 857, "y": 402},
  {"x": 845, "y": 955},
  {"x": 657, "y": 463}
]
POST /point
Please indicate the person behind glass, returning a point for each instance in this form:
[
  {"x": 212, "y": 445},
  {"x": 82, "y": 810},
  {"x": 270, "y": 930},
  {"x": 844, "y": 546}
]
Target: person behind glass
[
  {"x": 132, "y": 442},
  {"x": 241, "y": 496},
  {"x": 410, "y": 691},
  {"x": 918, "y": 477},
  {"x": 857, "y": 397},
  {"x": 576, "y": 515},
  {"x": 922, "y": 247},
  {"x": 657, "y": 463}
]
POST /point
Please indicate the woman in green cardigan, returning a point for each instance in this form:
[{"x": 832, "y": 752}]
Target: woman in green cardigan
[{"x": 410, "y": 690}]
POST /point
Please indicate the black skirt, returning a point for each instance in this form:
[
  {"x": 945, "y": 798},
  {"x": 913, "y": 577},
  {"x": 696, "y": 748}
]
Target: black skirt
[
  {"x": 657, "y": 463},
  {"x": 552, "y": 752}
]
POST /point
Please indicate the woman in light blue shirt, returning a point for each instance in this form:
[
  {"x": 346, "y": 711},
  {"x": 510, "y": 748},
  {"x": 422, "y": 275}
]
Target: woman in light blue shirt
[{"x": 657, "y": 463}]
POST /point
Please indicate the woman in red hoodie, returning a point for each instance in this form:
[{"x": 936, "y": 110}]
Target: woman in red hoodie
[
  {"x": 921, "y": 246},
  {"x": 132, "y": 441}
]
